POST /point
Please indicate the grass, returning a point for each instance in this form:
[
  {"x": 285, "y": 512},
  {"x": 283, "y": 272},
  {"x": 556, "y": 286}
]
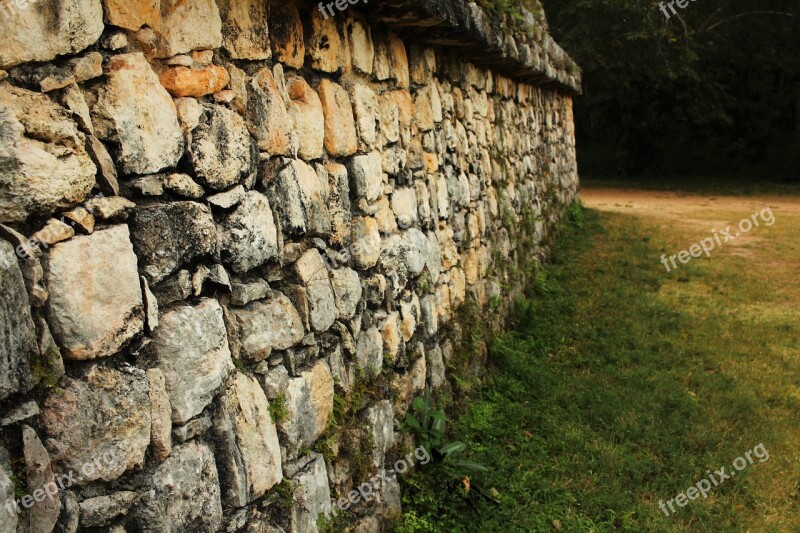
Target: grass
[{"x": 619, "y": 385}]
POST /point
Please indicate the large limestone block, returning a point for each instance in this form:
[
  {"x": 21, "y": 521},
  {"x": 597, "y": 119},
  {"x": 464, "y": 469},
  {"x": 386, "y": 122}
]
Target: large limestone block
[
  {"x": 187, "y": 25},
  {"x": 324, "y": 44},
  {"x": 369, "y": 351},
  {"x": 267, "y": 117},
  {"x": 300, "y": 197},
  {"x": 244, "y": 28},
  {"x": 367, "y": 110},
  {"x": 9, "y": 522},
  {"x": 309, "y": 405},
  {"x": 268, "y": 326},
  {"x": 167, "y": 236},
  {"x": 191, "y": 345},
  {"x": 95, "y": 303},
  {"x": 49, "y": 29},
  {"x": 286, "y": 33},
  {"x": 39, "y": 472},
  {"x": 311, "y": 496},
  {"x": 305, "y": 109},
  {"x": 250, "y": 454},
  {"x": 366, "y": 238},
  {"x": 340, "y": 128},
  {"x": 248, "y": 237},
  {"x": 347, "y": 289},
  {"x": 313, "y": 273},
  {"x": 361, "y": 47},
  {"x": 101, "y": 419},
  {"x": 17, "y": 331},
  {"x": 220, "y": 150},
  {"x": 186, "y": 493},
  {"x": 366, "y": 175},
  {"x": 131, "y": 110},
  {"x": 196, "y": 82},
  {"x": 132, "y": 14},
  {"x": 43, "y": 163}
]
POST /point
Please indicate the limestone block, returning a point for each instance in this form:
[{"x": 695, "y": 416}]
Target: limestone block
[
  {"x": 361, "y": 48},
  {"x": 369, "y": 351},
  {"x": 309, "y": 404},
  {"x": 187, "y": 25},
  {"x": 366, "y": 238},
  {"x": 367, "y": 109},
  {"x": 311, "y": 496},
  {"x": 300, "y": 199},
  {"x": 268, "y": 326},
  {"x": 286, "y": 33},
  {"x": 267, "y": 117},
  {"x": 17, "y": 331},
  {"x": 305, "y": 110},
  {"x": 324, "y": 44},
  {"x": 340, "y": 128},
  {"x": 43, "y": 515},
  {"x": 313, "y": 273},
  {"x": 347, "y": 290},
  {"x": 244, "y": 28},
  {"x": 196, "y": 82},
  {"x": 248, "y": 237},
  {"x": 366, "y": 176},
  {"x": 160, "y": 415}
]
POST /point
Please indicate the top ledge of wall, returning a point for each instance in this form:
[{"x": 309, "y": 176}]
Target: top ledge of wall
[{"x": 533, "y": 57}]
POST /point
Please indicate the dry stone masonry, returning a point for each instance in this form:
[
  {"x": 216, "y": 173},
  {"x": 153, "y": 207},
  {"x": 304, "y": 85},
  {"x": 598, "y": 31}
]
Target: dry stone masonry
[{"x": 225, "y": 224}]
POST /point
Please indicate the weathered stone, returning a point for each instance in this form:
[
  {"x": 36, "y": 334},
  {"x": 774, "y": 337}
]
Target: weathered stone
[
  {"x": 391, "y": 337},
  {"x": 227, "y": 199},
  {"x": 37, "y": 34},
  {"x": 366, "y": 177},
  {"x": 250, "y": 455},
  {"x": 435, "y": 365},
  {"x": 398, "y": 61},
  {"x": 244, "y": 28},
  {"x": 311, "y": 496},
  {"x": 369, "y": 351},
  {"x": 95, "y": 303},
  {"x": 152, "y": 185},
  {"x": 286, "y": 33},
  {"x": 309, "y": 405},
  {"x": 186, "y": 494},
  {"x": 135, "y": 113},
  {"x": 115, "y": 40},
  {"x": 384, "y": 216},
  {"x": 418, "y": 373},
  {"x": 430, "y": 320},
  {"x": 220, "y": 149},
  {"x": 361, "y": 48},
  {"x": 54, "y": 232},
  {"x": 72, "y": 98},
  {"x": 367, "y": 109},
  {"x": 366, "y": 248},
  {"x": 422, "y": 63},
  {"x": 160, "y": 415},
  {"x": 267, "y": 118},
  {"x": 216, "y": 274},
  {"x": 80, "y": 218},
  {"x": 275, "y": 381},
  {"x": 132, "y": 15},
  {"x": 300, "y": 199},
  {"x": 7, "y": 494},
  {"x": 248, "y": 237},
  {"x": 183, "y": 185},
  {"x": 323, "y": 43},
  {"x": 338, "y": 202},
  {"x": 347, "y": 289},
  {"x": 379, "y": 421},
  {"x": 167, "y": 236},
  {"x": 102, "y": 510},
  {"x": 43, "y": 515},
  {"x": 196, "y": 82},
  {"x": 382, "y": 64},
  {"x": 110, "y": 209},
  {"x": 244, "y": 293},
  {"x": 192, "y": 349},
  {"x": 313, "y": 273},
  {"x": 192, "y": 429},
  {"x": 404, "y": 205},
  {"x": 102, "y": 420},
  {"x": 87, "y": 67},
  {"x": 268, "y": 326},
  {"x": 186, "y": 26},
  {"x": 305, "y": 110},
  {"x": 340, "y": 129},
  {"x": 20, "y": 413},
  {"x": 44, "y": 166},
  {"x": 189, "y": 112}
]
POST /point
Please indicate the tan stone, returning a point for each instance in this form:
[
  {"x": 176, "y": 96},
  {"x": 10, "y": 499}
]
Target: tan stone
[
  {"x": 361, "y": 47},
  {"x": 398, "y": 61},
  {"x": 53, "y": 232},
  {"x": 244, "y": 28},
  {"x": 160, "y": 415},
  {"x": 323, "y": 44},
  {"x": 133, "y": 14},
  {"x": 286, "y": 33},
  {"x": 182, "y": 81},
  {"x": 422, "y": 64},
  {"x": 186, "y": 26},
  {"x": 340, "y": 128},
  {"x": 305, "y": 109},
  {"x": 405, "y": 107},
  {"x": 267, "y": 118},
  {"x": 385, "y": 216},
  {"x": 366, "y": 248},
  {"x": 391, "y": 337},
  {"x": 431, "y": 163},
  {"x": 382, "y": 63},
  {"x": 309, "y": 402},
  {"x": 366, "y": 108}
]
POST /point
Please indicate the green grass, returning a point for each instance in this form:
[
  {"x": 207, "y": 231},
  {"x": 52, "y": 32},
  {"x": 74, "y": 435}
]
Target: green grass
[{"x": 619, "y": 385}]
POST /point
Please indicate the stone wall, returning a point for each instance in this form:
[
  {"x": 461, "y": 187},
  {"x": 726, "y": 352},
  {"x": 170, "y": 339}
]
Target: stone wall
[{"x": 233, "y": 236}]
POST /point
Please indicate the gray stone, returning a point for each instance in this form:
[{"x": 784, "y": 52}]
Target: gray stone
[
  {"x": 7, "y": 494},
  {"x": 150, "y": 307},
  {"x": 19, "y": 413},
  {"x": 268, "y": 326},
  {"x": 44, "y": 166},
  {"x": 102, "y": 510},
  {"x": 220, "y": 149},
  {"x": 248, "y": 237},
  {"x": 17, "y": 331},
  {"x": 313, "y": 273},
  {"x": 338, "y": 202},
  {"x": 227, "y": 199},
  {"x": 244, "y": 293},
  {"x": 167, "y": 236},
  {"x": 311, "y": 496},
  {"x": 300, "y": 199},
  {"x": 185, "y": 494},
  {"x": 379, "y": 421},
  {"x": 107, "y": 174},
  {"x": 133, "y": 111},
  {"x": 183, "y": 185},
  {"x": 215, "y": 274},
  {"x": 192, "y": 349},
  {"x": 110, "y": 209},
  {"x": 309, "y": 405},
  {"x": 435, "y": 365},
  {"x": 192, "y": 429},
  {"x": 275, "y": 381},
  {"x": 44, "y": 514},
  {"x": 152, "y": 185},
  {"x": 174, "y": 289},
  {"x": 160, "y": 415},
  {"x": 347, "y": 289},
  {"x": 95, "y": 303},
  {"x": 366, "y": 176},
  {"x": 249, "y": 452},
  {"x": 369, "y": 351},
  {"x": 102, "y": 419},
  {"x": 366, "y": 238},
  {"x": 37, "y": 34}
]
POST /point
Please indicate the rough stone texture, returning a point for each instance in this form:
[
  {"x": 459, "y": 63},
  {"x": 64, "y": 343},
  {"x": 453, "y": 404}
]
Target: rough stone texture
[
  {"x": 268, "y": 326},
  {"x": 166, "y": 236},
  {"x": 9, "y": 522},
  {"x": 17, "y": 332},
  {"x": 104, "y": 416},
  {"x": 44, "y": 514},
  {"x": 95, "y": 303},
  {"x": 197, "y": 82},
  {"x": 133, "y": 112},
  {"x": 379, "y": 422},
  {"x": 160, "y": 415},
  {"x": 192, "y": 350},
  {"x": 244, "y": 28},
  {"x": 340, "y": 128},
  {"x": 313, "y": 273},
  {"x": 250, "y": 454},
  {"x": 323, "y": 43},
  {"x": 286, "y": 33},
  {"x": 220, "y": 149},
  {"x": 132, "y": 15},
  {"x": 366, "y": 177},
  {"x": 102, "y": 510},
  {"x": 267, "y": 117},
  {"x": 311, "y": 496},
  {"x": 369, "y": 351},
  {"x": 248, "y": 237},
  {"x": 305, "y": 110},
  {"x": 366, "y": 247},
  {"x": 43, "y": 163},
  {"x": 366, "y": 109},
  {"x": 186, "y": 494},
  {"x": 347, "y": 290},
  {"x": 301, "y": 197},
  {"x": 309, "y": 405},
  {"x": 361, "y": 48},
  {"x": 36, "y": 34},
  {"x": 186, "y": 26}
]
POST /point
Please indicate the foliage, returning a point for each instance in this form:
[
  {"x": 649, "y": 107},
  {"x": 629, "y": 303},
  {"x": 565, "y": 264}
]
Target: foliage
[{"x": 278, "y": 409}]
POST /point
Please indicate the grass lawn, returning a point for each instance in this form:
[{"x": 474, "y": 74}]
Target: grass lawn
[{"x": 619, "y": 385}]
